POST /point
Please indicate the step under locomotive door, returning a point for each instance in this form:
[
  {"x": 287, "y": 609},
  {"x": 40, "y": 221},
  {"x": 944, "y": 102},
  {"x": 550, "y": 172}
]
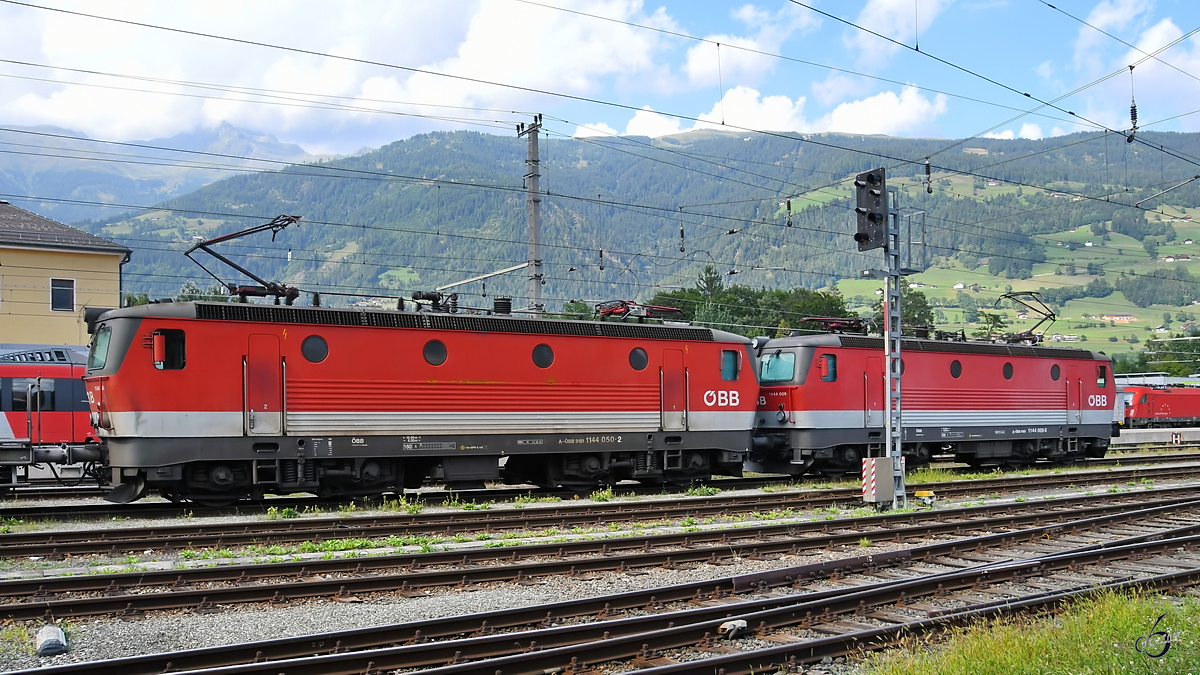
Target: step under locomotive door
[
  {"x": 873, "y": 392},
  {"x": 263, "y": 386},
  {"x": 674, "y": 391}
]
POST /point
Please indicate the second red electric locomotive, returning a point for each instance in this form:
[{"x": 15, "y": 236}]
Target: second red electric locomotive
[{"x": 823, "y": 403}]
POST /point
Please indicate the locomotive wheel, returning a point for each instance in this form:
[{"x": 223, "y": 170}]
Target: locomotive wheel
[{"x": 920, "y": 456}]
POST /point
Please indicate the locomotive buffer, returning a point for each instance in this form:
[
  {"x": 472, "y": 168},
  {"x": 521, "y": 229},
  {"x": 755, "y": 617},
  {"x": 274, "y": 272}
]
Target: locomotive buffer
[{"x": 878, "y": 222}]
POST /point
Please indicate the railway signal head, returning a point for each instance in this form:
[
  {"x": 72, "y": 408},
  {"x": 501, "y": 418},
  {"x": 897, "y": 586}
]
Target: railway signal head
[{"x": 872, "y": 210}]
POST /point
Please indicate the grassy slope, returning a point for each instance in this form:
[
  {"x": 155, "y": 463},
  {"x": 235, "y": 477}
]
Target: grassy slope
[{"x": 1121, "y": 253}]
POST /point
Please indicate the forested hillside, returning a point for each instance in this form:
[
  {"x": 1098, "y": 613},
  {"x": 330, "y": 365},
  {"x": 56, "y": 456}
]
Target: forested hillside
[{"x": 442, "y": 207}]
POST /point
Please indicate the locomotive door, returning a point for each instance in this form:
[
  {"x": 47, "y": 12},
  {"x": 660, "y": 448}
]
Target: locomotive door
[
  {"x": 674, "y": 391},
  {"x": 873, "y": 392},
  {"x": 1074, "y": 396},
  {"x": 264, "y": 387}
]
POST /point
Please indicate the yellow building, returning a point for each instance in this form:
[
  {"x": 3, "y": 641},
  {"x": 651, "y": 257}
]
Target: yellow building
[{"x": 49, "y": 274}]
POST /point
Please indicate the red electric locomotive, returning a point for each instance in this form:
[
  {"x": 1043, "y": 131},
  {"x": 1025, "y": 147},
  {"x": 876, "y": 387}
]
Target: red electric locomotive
[
  {"x": 823, "y": 403},
  {"x": 211, "y": 401},
  {"x": 43, "y": 407},
  {"x": 1161, "y": 407}
]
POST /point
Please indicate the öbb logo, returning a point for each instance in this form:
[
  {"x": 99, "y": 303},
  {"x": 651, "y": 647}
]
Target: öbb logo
[
  {"x": 1098, "y": 400},
  {"x": 721, "y": 398}
]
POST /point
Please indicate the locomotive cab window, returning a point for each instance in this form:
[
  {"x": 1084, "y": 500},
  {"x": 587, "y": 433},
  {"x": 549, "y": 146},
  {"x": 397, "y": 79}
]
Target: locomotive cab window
[
  {"x": 1102, "y": 377},
  {"x": 729, "y": 365},
  {"x": 1143, "y": 399},
  {"x": 827, "y": 366},
  {"x": 168, "y": 344},
  {"x": 778, "y": 367}
]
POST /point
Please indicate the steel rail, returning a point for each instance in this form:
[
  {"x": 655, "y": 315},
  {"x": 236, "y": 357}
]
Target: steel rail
[
  {"x": 117, "y": 597},
  {"x": 415, "y": 649},
  {"x": 115, "y": 541}
]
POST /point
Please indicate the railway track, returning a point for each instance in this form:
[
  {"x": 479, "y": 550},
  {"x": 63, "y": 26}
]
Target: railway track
[
  {"x": 115, "y": 541},
  {"x": 131, "y": 594},
  {"x": 52, "y": 490},
  {"x": 810, "y": 611}
]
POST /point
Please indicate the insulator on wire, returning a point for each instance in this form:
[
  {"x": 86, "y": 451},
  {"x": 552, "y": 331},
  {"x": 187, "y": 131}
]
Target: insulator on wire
[
  {"x": 928, "y": 178},
  {"x": 601, "y": 259},
  {"x": 681, "y": 238},
  {"x": 789, "y": 213},
  {"x": 1132, "y": 110}
]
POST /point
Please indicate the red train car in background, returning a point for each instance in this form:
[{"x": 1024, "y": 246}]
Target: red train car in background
[
  {"x": 209, "y": 401},
  {"x": 823, "y": 403},
  {"x": 1161, "y": 407},
  {"x": 42, "y": 403}
]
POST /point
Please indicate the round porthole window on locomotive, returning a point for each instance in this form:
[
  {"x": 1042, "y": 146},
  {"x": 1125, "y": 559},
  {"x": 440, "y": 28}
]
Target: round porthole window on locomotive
[
  {"x": 638, "y": 359},
  {"x": 1054, "y": 372},
  {"x": 543, "y": 356},
  {"x": 1008, "y": 371},
  {"x": 314, "y": 348},
  {"x": 955, "y": 368},
  {"x": 435, "y": 353}
]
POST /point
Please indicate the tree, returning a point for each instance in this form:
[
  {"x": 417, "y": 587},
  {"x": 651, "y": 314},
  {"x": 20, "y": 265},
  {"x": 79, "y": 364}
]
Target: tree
[
  {"x": 192, "y": 291},
  {"x": 134, "y": 299},
  {"x": 710, "y": 283},
  {"x": 914, "y": 310}
]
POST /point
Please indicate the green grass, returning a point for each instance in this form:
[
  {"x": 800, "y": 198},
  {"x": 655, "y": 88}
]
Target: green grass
[
  {"x": 602, "y": 495},
  {"x": 1095, "y": 635}
]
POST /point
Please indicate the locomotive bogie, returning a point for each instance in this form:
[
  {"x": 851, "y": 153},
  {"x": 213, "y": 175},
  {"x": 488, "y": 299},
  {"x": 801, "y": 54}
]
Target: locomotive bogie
[{"x": 370, "y": 401}]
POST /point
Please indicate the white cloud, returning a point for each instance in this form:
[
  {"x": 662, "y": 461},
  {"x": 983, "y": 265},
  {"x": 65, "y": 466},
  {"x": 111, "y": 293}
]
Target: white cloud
[
  {"x": 594, "y": 129},
  {"x": 887, "y": 113},
  {"x": 1045, "y": 70},
  {"x": 482, "y": 39},
  {"x": 1007, "y": 135},
  {"x": 746, "y": 108},
  {"x": 1058, "y": 131},
  {"x": 1030, "y": 131},
  {"x": 738, "y": 61},
  {"x": 1109, "y": 16},
  {"x": 646, "y": 122},
  {"x": 895, "y": 19},
  {"x": 836, "y": 87}
]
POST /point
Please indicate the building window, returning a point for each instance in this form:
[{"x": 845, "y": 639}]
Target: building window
[{"x": 62, "y": 295}]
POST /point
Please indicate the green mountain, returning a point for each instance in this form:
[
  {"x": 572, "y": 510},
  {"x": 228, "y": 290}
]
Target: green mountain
[
  {"x": 443, "y": 207},
  {"x": 61, "y": 164}
]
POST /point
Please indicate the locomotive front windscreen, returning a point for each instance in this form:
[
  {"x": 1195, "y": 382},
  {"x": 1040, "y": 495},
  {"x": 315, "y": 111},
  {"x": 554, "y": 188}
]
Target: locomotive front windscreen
[
  {"x": 98, "y": 353},
  {"x": 778, "y": 367}
]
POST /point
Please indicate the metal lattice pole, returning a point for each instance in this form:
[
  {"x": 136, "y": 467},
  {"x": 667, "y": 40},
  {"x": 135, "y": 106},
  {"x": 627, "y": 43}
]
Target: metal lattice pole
[
  {"x": 892, "y": 328},
  {"x": 533, "y": 189}
]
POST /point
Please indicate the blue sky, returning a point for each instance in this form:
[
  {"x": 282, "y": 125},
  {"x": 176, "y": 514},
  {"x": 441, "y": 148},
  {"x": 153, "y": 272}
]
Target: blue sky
[{"x": 144, "y": 83}]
